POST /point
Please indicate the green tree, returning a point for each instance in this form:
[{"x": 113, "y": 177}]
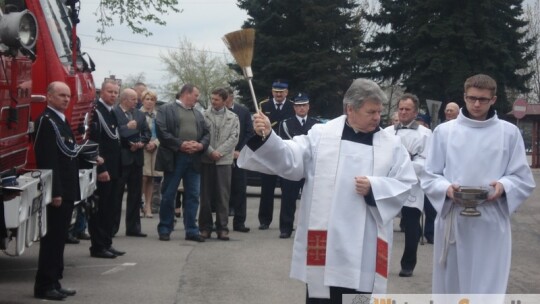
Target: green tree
[
  {"x": 434, "y": 45},
  {"x": 133, "y": 13},
  {"x": 314, "y": 45},
  {"x": 206, "y": 70}
]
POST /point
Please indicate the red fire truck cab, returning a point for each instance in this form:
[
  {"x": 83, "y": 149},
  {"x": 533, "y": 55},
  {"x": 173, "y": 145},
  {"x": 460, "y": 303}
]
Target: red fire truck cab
[{"x": 38, "y": 45}]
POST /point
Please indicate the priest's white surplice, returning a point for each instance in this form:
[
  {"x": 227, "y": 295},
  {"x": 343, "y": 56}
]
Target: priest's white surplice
[
  {"x": 472, "y": 254},
  {"x": 329, "y": 166}
]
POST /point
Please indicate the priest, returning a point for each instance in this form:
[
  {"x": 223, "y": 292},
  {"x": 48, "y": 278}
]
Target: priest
[
  {"x": 356, "y": 179},
  {"x": 472, "y": 254}
]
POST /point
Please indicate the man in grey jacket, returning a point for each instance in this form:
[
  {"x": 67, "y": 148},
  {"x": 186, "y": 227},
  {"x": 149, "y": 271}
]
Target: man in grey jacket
[
  {"x": 183, "y": 138},
  {"x": 224, "y": 127}
]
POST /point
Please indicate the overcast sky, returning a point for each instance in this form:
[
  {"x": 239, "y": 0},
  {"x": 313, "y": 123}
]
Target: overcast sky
[{"x": 202, "y": 22}]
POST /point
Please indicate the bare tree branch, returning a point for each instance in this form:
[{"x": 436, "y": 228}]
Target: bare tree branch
[
  {"x": 134, "y": 13},
  {"x": 186, "y": 64},
  {"x": 532, "y": 15}
]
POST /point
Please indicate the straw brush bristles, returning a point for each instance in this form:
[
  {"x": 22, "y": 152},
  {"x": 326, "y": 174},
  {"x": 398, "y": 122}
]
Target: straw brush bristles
[{"x": 240, "y": 44}]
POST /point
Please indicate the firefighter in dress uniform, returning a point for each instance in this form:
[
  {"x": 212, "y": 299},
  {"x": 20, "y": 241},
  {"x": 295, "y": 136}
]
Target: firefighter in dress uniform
[{"x": 290, "y": 190}]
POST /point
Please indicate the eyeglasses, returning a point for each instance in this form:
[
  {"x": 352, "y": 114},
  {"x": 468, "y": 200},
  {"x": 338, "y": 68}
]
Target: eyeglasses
[{"x": 481, "y": 100}]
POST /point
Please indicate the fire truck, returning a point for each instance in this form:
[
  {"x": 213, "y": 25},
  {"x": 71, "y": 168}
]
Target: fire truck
[{"x": 38, "y": 45}]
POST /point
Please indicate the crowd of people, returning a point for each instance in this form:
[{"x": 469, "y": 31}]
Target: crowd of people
[{"x": 353, "y": 178}]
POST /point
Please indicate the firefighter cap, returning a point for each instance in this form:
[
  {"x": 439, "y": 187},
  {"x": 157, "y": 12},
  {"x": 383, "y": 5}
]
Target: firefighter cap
[
  {"x": 301, "y": 98},
  {"x": 279, "y": 86}
]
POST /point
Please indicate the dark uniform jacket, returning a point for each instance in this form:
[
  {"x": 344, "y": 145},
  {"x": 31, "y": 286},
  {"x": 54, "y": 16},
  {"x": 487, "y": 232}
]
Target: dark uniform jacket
[
  {"x": 269, "y": 109},
  {"x": 167, "y": 124},
  {"x": 291, "y": 127},
  {"x": 50, "y": 156},
  {"x": 141, "y": 133},
  {"x": 246, "y": 125},
  {"x": 109, "y": 147}
]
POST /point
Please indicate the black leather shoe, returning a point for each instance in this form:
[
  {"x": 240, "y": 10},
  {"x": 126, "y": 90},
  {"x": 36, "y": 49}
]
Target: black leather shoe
[
  {"x": 285, "y": 235},
  {"x": 164, "y": 237},
  {"x": 206, "y": 234},
  {"x": 242, "y": 229},
  {"x": 51, "y": 294},
  {"x": 136, "y": 234},
  {"x": 67, "y": 291},
  {"x": 70, "y": 239},
  {"x": 223, "y": 235},
  {"x": 104, "y": 254},
  {"x": 264, "y": 226},
  {"x": 83, "y": 236},
  {"x": 405, "y": 273},
  {"x": 115, "y": 252},
  {"x": 195, "y": 238}
]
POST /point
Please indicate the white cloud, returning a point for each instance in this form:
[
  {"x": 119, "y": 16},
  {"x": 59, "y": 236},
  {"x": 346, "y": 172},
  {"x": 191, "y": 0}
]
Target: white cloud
[{"x": 202, "y": 22}]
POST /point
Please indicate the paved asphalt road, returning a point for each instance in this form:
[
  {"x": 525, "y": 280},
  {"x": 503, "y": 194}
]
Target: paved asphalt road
[{"x": 251, "y": 268}]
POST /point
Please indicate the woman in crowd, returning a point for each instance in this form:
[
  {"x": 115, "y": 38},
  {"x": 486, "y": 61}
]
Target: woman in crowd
[{"x": 149, "y": 99}]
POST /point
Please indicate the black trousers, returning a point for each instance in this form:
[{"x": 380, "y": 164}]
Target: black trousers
[
  {"x": 51, "y": 249},
  {"x": 289, "y": 194},
  {"x": 100, "y": 221},
  {"x": 132, "y": 178},
  {"x": 410, "y": 218},
  {"x": 178, "y": 199},
  {"x": 336, "y": 294},
  {"x": 238, "y": 198},
  {"x": 430, "y": 214},
  {"x": 266, "y": 206},
  {"x": 3, "y": 229}
]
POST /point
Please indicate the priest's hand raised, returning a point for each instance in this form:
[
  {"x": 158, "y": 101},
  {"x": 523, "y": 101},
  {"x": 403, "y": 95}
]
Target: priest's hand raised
[
  {"x": 261, "y": 124},
  {"x": 362, "y": 185}
]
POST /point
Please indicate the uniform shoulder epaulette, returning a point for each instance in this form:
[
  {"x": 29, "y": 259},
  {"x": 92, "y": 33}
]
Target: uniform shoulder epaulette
[
  {"x": 287, "y": 119},
  {"x": 264, "y": 101}
]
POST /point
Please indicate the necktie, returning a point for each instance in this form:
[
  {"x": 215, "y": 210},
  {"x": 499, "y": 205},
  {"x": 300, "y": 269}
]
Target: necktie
[
  {"x": 128, "y": 115},
  {"x": 279, "y": 106},
  {"x": 303, "y": 121}
]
